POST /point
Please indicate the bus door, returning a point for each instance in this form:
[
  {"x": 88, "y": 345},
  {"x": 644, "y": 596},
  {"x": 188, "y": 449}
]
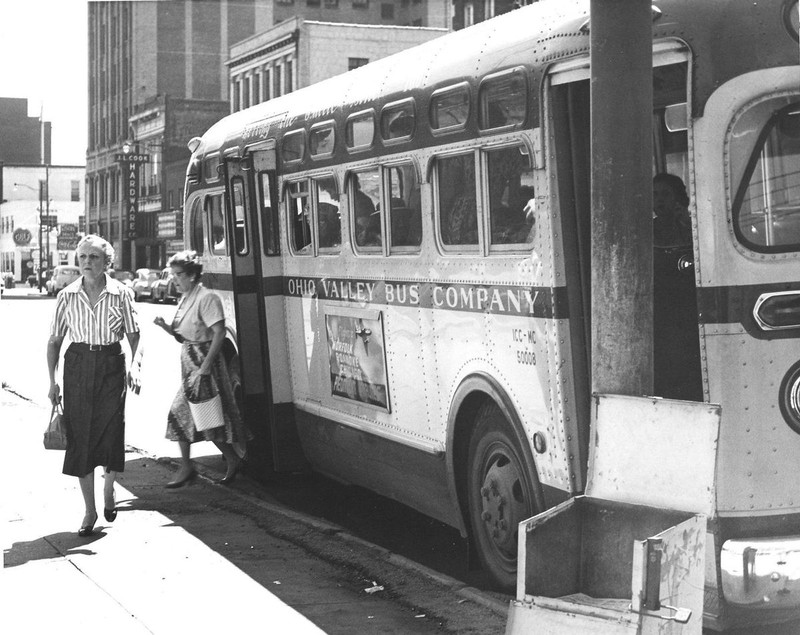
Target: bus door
[
  {"x": 257, "y": 288},
  {"x": 676, "y": 356}
]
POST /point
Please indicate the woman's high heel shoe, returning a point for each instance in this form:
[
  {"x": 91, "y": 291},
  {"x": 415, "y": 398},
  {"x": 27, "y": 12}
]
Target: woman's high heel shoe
[
  {"x": 181, "y": 482},
  {"x": 230, "y": 477},
  {"x": 110, "y": 513},
  {"x": 87, "y": 528}
]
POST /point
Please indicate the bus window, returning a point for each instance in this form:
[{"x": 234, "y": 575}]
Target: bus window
[
  {"x": 365, "y": 198},
  {"x": 293, "y": 146},
  {"x": 510, "y": 190},
  {"x": 329, "y": 225},
  {"x": 502, "y": 100},
  {"x": 767, "y": 205},
  {"x": 405, "y": 218},
  {"x": 359, "y": 131},
  {"x": 196, "y": 237},
  {"x": 449, "y": 109},
  {"x": 239, "y": 221},
  {"x": 455, "y": 191},
  {"x": 216, "y": 223},
  {"x": 269, "y": 215},
  {"x": 397, "y": 121},
  {"x": 299, "y": 215},
  {"x": 321, "y": 140}
]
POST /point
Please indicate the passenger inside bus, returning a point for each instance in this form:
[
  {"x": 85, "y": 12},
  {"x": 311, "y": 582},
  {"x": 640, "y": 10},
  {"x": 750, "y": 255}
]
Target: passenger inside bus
[
  {"x": 368, "y": 222},
  {"x": 677, "y": 373}
]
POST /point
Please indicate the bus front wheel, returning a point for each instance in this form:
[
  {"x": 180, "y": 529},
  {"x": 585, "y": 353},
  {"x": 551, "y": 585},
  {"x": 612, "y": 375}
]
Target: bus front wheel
[{"x": 501, "y": 490}]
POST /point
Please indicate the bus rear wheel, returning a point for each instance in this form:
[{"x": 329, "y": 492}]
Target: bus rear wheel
[{"x": 502, "y": 492}]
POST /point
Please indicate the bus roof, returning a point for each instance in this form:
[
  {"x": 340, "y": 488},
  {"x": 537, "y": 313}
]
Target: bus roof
[{"x": 727, "y": 38}]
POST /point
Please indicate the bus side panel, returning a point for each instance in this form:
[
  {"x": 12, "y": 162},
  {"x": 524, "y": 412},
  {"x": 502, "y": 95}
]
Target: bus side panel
[{"x": 407, "y": 475}]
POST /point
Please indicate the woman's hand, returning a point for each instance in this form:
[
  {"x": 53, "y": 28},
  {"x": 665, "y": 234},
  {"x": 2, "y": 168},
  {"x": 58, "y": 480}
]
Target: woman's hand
[
  {"x": 160, "y": 321},
  {"x": 54, "y": 394}
]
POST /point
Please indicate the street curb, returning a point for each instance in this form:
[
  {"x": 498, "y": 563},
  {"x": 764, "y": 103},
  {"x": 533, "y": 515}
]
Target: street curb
[{"x": 456, "y": 586}]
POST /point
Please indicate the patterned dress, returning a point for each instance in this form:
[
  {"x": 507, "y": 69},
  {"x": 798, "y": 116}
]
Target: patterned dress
[{"x": 197, "y": 312}]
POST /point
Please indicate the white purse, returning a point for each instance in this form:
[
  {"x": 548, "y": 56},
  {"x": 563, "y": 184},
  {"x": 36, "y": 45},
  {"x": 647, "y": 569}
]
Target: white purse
[{"x": 206, "y": 414}]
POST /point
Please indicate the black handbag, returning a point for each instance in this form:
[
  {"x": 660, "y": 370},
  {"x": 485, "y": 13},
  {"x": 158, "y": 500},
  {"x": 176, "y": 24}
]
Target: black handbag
[{"x": 55, "y": 436}]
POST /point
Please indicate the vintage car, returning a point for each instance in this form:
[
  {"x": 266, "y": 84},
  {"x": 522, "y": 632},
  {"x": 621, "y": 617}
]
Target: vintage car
[
  {"x": 62, "y": 276},
  {"x": 164, "y": 289},
  {"x": 142, "y": 284}
]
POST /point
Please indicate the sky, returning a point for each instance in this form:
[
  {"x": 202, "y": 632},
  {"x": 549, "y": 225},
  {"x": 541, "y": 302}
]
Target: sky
[{"x": 44, "y": 58}]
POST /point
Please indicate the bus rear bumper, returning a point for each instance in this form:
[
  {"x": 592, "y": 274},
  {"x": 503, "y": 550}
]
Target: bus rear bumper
[{"x": 762, "y": 572}]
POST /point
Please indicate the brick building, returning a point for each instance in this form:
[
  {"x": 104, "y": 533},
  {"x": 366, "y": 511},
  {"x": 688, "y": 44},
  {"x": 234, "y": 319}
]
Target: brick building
[
  {"x": 300, "y": 52},
  {"x": 23, "y": 139}
]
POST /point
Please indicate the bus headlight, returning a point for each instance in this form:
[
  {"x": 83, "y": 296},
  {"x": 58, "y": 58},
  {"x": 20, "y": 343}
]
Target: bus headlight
[
  {"x": 789, "y": 399},
  {"x": 790, "y": 18}
]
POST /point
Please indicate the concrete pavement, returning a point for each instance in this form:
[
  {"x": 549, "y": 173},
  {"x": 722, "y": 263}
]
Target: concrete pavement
[{"x": 201, "y": 559}]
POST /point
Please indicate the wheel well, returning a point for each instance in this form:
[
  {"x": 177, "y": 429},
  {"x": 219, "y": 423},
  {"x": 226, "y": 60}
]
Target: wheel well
[
  {"x": 464, "y": 425},
  {"x": 473, "y": 393}
]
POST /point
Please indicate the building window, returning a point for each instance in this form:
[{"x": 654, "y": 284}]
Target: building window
[
  {"x": 75, "y": 191},
  {"x": 387, "y": 11},
  {"x": 331, "y": 4},
  {"x": 266, "y": 84},
  {"x": 469, "y": 14},
  {"x": 235, "y": 94},
  {"x": 256, "y": 88},
  {"x": 276, "y": 81},
  {"x": 312, "y": 3},
  {"x": 361, "y": 4},
  {"x": 289, "y": 76},
  {"x": 356, "y": 62},
  {"x": 245, "y": 92},
  {"x": 488, "y": 9}
]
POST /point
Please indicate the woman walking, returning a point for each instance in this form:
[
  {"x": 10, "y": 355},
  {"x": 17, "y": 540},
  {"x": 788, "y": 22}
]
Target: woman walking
[
  {"x": 199, "y": 325},
  {"x": 95, "y": 312}
]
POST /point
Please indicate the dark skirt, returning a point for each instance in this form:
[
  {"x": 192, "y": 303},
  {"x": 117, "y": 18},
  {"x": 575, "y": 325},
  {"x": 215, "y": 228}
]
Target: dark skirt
[
  {"x": 180, "y": 426},
  {"x": 94, "y": 410}
]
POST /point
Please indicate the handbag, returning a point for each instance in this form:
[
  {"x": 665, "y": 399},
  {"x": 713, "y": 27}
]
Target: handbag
[
  {"x": 55, "y": 436},
  {"x": 205, "y": 404}
]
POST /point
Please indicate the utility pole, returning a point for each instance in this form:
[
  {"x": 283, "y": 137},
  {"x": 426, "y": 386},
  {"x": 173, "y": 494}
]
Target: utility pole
[
  {"x": 622, "y": 196},
  {"x": 41, "y": 233}
]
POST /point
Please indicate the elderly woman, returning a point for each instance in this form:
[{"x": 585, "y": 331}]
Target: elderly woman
[
  {"x": 199, "y": 325},
  {"x": 95, "y": 312}
]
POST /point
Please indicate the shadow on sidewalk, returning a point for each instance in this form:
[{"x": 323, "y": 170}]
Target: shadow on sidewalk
[{"x": 56, "y": 545}]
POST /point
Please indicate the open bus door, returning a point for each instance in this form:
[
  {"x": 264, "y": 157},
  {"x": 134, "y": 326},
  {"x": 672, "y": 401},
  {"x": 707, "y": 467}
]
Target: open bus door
[{"x": 250, "y": 184}]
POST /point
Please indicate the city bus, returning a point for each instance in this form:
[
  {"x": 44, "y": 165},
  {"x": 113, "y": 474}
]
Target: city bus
[{"x": 402, "y": 251}]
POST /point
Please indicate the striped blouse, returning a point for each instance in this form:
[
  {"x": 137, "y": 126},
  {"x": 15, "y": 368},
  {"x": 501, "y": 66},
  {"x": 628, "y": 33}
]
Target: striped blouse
[{"x": 105, "y": 323}]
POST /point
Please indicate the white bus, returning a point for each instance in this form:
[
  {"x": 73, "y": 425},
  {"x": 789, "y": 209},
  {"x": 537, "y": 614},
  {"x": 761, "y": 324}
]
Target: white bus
[{"x": 403, "y": 254}]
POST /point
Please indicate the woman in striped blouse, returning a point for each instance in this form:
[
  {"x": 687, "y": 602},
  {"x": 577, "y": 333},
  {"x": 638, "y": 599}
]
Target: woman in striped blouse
[{"x": 94, "y": 312}]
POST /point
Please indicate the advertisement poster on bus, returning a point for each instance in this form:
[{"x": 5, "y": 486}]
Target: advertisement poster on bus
[{"x": 357, "y": 360}]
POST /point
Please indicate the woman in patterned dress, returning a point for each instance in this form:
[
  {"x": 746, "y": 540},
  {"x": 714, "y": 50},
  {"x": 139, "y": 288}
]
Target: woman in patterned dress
[
  {"x": 199, "y": 325},
  {"x": 95, "y": 312}
]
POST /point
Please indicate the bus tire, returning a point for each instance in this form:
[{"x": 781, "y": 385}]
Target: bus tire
[{"x": 501, "y": 492}]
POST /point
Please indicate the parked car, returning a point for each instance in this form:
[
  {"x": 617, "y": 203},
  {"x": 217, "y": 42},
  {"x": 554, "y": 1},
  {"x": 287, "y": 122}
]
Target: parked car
[
  {"x": 142, "y": 284},
  {"x": 62, "y": 276},
  {"x": 164, "y": 289},
  {"x": 125, "y": 277}
]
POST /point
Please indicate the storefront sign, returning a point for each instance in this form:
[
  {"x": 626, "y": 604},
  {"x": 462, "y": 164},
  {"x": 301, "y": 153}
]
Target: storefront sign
[
  {"x": 129, "y": 163},
  {"x": 22, "y": 236}
]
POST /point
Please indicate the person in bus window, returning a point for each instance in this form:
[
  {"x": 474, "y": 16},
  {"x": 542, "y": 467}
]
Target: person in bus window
[
  {"x": 368, "y": 222},
  {"x": 677, "y": 371},
  {"x": 199, "y": 325}
]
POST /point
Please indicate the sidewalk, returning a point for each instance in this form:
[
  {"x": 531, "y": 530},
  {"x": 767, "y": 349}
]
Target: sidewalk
[{"x": 200, "y": 559}]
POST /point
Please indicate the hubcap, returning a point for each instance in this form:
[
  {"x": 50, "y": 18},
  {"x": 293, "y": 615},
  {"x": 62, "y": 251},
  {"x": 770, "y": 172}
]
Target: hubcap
[{"x": 502, "y": 503}]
